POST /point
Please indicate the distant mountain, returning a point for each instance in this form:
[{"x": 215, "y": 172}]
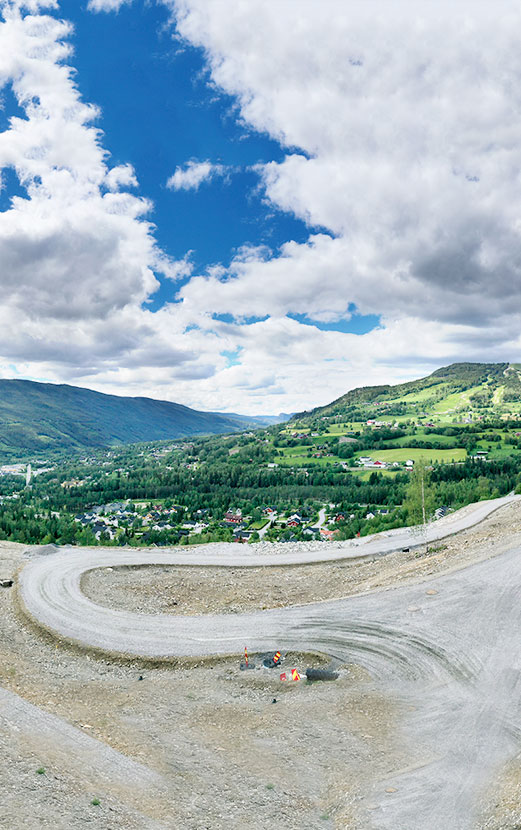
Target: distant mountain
[
  {"x": 35, "y": 417},
  {"x": 449, "y": 392},
  {"x": 267, "y": 420}
]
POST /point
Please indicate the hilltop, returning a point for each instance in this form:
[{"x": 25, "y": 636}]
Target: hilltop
[
  {"x": 37, "y": 417},
  {"x": 458, "y": 391}
]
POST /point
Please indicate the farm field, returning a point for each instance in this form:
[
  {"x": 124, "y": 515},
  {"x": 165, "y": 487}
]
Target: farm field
[
  {"x": 415, "y": 454},
  {"x": 296, "y": 457},
  {"x": 365, "y": 475}
]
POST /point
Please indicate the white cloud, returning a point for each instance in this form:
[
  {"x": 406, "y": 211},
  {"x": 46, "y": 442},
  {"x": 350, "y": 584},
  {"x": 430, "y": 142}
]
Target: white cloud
[
  {"x": 193, "y": 174},
  {"x": 403, "y": 141},
  {"x": 409, "y": 123},
  {"x": 107, "y": 5},
  {"x": 122, "y": 176},
  {"x": 76, "y": 262}
]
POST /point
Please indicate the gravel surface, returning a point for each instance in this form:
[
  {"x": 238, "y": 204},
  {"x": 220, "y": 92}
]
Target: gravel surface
[
  {"x": 420, "y": 733},
  {"x": 227, "y": 755},
  {"x": 149, "y": 589}
]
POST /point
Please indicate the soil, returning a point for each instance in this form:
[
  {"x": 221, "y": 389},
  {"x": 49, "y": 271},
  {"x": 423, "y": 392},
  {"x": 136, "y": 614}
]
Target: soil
[
  {"x": 235, "y": 748},
  {"x": 196, "y": 590}
]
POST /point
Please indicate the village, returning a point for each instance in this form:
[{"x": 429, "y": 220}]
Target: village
[{"x": 156, "y": 522}]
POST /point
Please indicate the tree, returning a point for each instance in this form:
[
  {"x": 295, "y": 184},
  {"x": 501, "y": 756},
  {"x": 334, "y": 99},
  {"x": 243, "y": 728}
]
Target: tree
[{"x": 419, "y": 498}]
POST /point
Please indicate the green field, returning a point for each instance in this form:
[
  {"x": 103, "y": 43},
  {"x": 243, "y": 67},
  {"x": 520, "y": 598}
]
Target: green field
[
  {"x": 414, "y": 454},
  {"x": 366, "y": 474},
  {"x": 294, "y": 457},
  {"x": 421, "y": 395}
]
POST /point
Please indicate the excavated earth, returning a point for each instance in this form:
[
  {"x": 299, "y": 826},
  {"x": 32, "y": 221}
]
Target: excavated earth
[
  {"x": 204, "y": 590},
  {"x": 206, "y": 745}
]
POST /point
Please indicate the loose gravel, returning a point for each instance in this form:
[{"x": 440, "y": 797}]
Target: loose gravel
[
  {"x": 203, "y": 590},
  {"x": 322, "y": 755}
]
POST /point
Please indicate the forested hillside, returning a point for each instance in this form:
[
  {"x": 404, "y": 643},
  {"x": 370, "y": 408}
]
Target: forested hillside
[
  {"x": 41, "y": 416},
  {"x": 488, "y": 389}
]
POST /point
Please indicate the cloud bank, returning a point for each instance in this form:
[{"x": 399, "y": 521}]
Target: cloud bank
[{"x": 402, "y": 145}]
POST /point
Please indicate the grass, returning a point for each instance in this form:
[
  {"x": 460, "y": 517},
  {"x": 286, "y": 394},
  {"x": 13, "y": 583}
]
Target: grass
[
  {"x": 421, "y": 395},
  {"x": 422, "y": 436},
  {"x": 457, "y": 400},
  {"x": 95, "y": 802},
  {"x": 365, "y": 474},
  {"x": 299, "y": 459},
  {"x": 415, "y": 454},
  {"x": 40, "y": 771}
]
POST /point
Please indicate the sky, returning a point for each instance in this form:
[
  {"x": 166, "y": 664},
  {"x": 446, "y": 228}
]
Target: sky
[{"x": 256, "y": 205}]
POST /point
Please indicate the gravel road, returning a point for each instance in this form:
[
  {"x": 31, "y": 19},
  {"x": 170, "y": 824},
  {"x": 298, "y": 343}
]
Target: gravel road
[{"x": 449, "y": 649}]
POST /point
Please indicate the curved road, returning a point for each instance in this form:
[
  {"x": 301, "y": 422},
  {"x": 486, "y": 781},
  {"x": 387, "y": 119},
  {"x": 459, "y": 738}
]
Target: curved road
[
  {"x": 448, "y": 649},
  {"x": 50, "y": 592}
]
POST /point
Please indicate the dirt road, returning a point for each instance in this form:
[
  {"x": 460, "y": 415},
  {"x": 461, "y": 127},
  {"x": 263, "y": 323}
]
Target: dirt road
[{"x": 445, "y": 654}]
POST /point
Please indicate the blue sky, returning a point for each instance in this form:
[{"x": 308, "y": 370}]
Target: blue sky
[
  {"x": 271, "y": 206},
  {"x": 158, "y": 112}
]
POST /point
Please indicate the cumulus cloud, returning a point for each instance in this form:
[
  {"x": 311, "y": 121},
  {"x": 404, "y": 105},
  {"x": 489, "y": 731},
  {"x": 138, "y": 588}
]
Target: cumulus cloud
[
  {"x": 193, "y": 174},
  {"x": 403, "y": 152},
  {"x": 409, "y": 139},
  {"x": 106, "y": 5},
  {"x": 78, "y": 256},
  {"x": 121, "y": 176}
]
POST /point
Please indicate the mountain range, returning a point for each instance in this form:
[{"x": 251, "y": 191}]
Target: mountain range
[{"x": 36, "y": 417}]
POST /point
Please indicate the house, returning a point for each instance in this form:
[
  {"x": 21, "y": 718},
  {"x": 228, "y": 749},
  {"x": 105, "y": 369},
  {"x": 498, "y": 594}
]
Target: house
[
  {"x": 98, "y": 529},
  {"x": 340, "y": 517},
  {"x": 325, "y": 533},
  {"x": 229, "y": 525},
  {"x": 380, "y": 464},
  {"x": 369, "y": 515},
  {"x": 294, "y": 521},
  {"x": 233, "y": 518}
]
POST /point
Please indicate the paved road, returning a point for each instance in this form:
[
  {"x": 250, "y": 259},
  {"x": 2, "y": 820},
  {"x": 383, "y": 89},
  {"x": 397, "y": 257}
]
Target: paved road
[
  {"x": 448, "y": 650},
  {"x": 321, "y": 517}
]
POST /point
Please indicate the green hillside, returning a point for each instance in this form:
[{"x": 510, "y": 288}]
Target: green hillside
[
  {"x": 457, "y": 392},
  {"x": 40, "y": 416}
]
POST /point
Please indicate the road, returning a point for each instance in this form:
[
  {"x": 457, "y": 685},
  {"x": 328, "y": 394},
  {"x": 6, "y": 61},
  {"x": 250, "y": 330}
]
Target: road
[
  {"x": 448, "y": 650},
  {"x": 321, "y": 517}
]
